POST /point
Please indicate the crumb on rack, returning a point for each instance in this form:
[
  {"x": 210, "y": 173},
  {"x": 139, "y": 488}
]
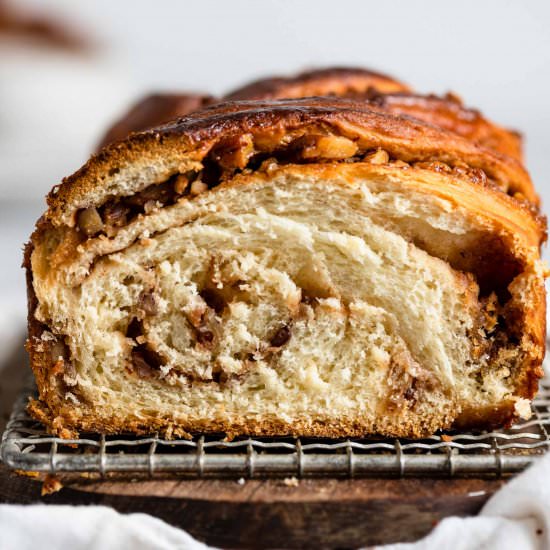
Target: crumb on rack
[{"x": 291, "y": 481}]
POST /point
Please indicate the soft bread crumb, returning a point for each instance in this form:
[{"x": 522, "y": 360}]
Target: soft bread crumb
[{"x": 378, "y": 331}]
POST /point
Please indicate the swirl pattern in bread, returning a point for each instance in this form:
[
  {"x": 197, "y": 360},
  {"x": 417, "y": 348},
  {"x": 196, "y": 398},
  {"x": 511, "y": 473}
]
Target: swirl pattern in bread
[{"x": 310, "y": 267}]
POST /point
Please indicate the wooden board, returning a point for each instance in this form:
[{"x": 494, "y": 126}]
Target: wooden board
[{"x": 321, "y": 513}]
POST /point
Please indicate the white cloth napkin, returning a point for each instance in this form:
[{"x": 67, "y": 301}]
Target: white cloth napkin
[
  {"x": 47, "y": 527},
  {"x": 517, "y": 517}
]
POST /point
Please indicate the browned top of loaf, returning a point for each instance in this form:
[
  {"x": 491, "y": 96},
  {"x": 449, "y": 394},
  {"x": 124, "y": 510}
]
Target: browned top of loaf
[
  {"x": 159, "y": 108},
  {"x": 153, "y": 110},
  {"x": 273, "y": 127},
  {"x": 380, "y": 91},
  {"x": 384, "y": 92},
  {"x": 319, "y": 82},
  {"x": 450, "y": 113}
]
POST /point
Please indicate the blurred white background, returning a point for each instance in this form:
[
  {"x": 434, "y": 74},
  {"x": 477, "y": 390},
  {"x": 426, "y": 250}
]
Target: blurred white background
[
  {"x": 56, "y": 100},
  {"x": 54, "y": 103}
]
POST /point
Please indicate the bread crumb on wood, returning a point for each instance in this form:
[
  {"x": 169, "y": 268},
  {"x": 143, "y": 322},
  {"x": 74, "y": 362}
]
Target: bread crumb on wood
[
  {"x": 28, "y": 473},
  {"x": 291, "y": 481},
  {"x": 51, "y": 485}
]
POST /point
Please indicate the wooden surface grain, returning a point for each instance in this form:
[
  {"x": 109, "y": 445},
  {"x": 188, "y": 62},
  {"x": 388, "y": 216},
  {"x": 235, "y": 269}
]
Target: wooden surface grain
[{"x": 276, "y": 513}]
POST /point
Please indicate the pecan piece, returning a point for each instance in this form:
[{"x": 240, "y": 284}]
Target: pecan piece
[
  {"x": 327, "y": 147},
  {"x": 234, "y": 153},
  {"x": 378, "y": 157},
  {"x": 115, "y": 214},
  {"x": 89, "y": 221}
]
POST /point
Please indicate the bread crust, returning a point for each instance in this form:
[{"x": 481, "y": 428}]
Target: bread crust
[
  {"x": 152, "y": 110},
  {"x": 446, "y": 112},
  {"x": 450, "y": 113},
  {"x": 271, "y": 127},
  {"x": 337, "y": 81},
  {"x": 379, "y": 91}
]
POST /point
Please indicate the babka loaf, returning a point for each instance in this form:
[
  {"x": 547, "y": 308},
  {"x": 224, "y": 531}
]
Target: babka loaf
[{"x": 311, "y": 267}]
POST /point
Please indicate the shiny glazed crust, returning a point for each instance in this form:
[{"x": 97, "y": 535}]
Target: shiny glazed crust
[
  {"x": 380, "y": 91},
  {"x": 447, "y": 112},
  {"x": 159, "y": 108},
  {"x": 338, "y": 81},
  {"x": 153, "y": 110},
  {"x": 303, "y": 133}
]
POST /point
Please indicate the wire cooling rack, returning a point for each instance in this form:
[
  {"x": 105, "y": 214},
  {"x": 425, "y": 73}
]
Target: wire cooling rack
[{"x": 26, "y": 446}]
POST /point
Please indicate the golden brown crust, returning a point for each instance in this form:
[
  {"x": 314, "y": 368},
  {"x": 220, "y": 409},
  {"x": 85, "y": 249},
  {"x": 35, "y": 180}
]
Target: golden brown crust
[
  {"x": 275, "y": 127},
  {"x": 153, "y": 110},
  {"x": 158, "y": 108},
  {"x": 319, "y": 82},
  {"x": 449, "y": 112},
  {"x": 378, "y": 90}
]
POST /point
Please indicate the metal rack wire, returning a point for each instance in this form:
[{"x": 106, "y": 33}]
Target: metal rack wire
[{"x": 26, "y": 446}]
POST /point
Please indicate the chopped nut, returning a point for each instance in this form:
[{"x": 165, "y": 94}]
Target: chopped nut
[
  {"x": 147, "y": 303},
  {"x": 291, "y": 481},
  {"x": 140, "y": 365},
  {"x": 181, "y": 183},
  {"x": 378, "y": 157},
  {"x": 281, "y": 337},
  {"x": 234, "y": 153},
  {"x": 89, "y": 221},
  {"x": 328, "y": 147},
  {"x": 198, "y": 187},
  {"x": 269, "y": 166},
  {"x": 115, "y": 214},
  {"x": 161, "y": 192}
]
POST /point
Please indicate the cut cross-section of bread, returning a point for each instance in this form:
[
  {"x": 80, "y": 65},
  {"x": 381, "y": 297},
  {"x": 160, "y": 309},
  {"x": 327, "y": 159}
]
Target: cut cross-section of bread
[{"x": 307, "y": 267}]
